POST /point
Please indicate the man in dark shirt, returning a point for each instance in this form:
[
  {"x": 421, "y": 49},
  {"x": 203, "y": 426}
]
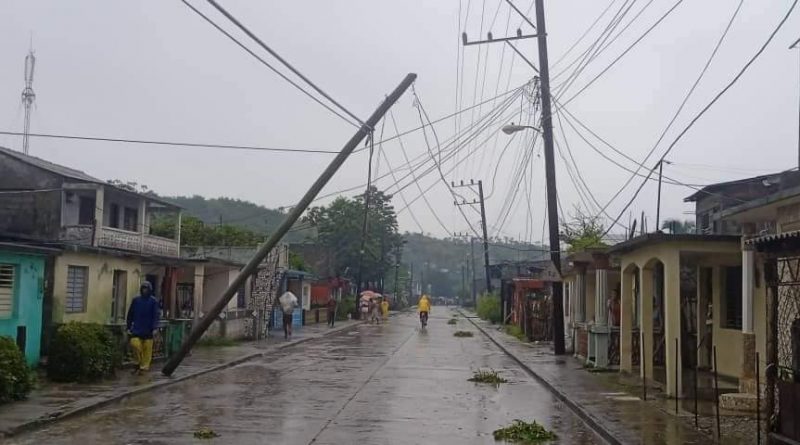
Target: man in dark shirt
[
  {"x": 331, "y": 310},
  {"x": 143, "y": 316}
]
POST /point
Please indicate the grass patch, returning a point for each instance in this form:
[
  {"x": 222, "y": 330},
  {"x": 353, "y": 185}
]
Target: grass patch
[
  {"x": 515, "y": 331},
  {"x": 524, "y": 432},
  {"x": 205, "y": 433},
  {"x": 463, "y": 333},
  {"x": 452, "y": 321},
  {"x": 490, "y": 376},
  {"x": 216, "y": 342}
]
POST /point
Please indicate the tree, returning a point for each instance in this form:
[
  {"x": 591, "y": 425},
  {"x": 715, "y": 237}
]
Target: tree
[
  {"x": 582, "y": 232},
  {"x": 339, "y": 228},
  {"x": 196, "y": 233},
  {"x": 675, "y": 226}
]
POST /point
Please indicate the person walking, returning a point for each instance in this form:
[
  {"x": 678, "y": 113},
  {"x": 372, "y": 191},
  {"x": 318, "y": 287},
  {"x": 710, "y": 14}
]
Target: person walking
[
  {"x": 331, "y": 310},
  {"x": 288, "y": 302},
  {"x": 385, "y": 308},
  {"x": 142, "y": 323},
  {"x": 375, "y": 311},
  {"x": 364, "y": 308}
]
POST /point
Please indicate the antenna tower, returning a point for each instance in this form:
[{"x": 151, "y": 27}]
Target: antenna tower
[{"x": 28, "y": 96}]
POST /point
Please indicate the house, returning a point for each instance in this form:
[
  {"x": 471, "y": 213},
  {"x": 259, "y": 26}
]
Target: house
[
  {"x": 22, "y": 285},
  {"x": 103, "y": 231},
  {"x": 680, "y": 299},
  {"x": 209, "y": 270},
  {"x": 772, "y": 328},
  {"x": 591, "y": 283},
  {"x": 712, "y": 201}
]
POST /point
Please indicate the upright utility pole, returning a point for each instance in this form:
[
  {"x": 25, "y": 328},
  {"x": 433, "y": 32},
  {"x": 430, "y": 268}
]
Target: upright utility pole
[
  {"x": 479, "y": 201},
  {"x": 28, "y": 96},
  {"x": 550, "y": 176},
  {"x": 485, "y": 239},
  {"x": 658, "y": 200},
  {"x": 796, "y": 45},
  {"x": 549, "y": 160},
  {"x": 252, "y": 266}
]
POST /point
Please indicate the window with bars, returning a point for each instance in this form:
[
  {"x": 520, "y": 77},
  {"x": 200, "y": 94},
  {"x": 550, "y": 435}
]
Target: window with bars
[
  {"x": 7, "y": 275},
  {"x": 77, "y": 286},
  {"x": 732, "y": 298}
]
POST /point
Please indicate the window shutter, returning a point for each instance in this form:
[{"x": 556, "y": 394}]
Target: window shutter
[
  {"x": 77, "y": 277},
  {"x": 7, "y": 272}
]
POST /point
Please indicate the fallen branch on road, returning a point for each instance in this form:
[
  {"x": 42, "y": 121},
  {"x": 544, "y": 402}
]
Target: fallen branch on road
[
  {"x": 462, "y": 333},
  {"x": 490, "y": 376},
  {"x": 524, "y": 432}
]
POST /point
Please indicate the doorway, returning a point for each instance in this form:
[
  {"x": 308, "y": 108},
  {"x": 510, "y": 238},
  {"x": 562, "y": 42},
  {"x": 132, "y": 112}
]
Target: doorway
[{"x": 119, "y": 295}]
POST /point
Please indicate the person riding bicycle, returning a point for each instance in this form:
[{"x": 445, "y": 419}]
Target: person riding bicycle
[{"x": 424, "y": 308}]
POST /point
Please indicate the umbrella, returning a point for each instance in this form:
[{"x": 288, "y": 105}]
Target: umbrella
[{"x": 369, "y": 295}]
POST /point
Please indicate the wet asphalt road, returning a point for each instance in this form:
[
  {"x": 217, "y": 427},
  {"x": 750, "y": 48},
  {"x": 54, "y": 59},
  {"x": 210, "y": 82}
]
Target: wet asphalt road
[{"x": 387, "y": 384}]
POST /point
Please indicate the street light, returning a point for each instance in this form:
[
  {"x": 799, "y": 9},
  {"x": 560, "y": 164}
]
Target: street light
[{"x": 512, "y": 128}]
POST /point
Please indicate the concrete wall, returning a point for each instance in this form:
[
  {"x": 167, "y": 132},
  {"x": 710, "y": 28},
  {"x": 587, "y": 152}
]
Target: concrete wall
[{"x": 99, "y": 295}]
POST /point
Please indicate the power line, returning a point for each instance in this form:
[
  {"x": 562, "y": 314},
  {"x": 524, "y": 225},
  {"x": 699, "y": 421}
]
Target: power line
[
  {"x": 282, "y": 60},
  {"x": 708, "y": 106},
  {"x": 683, "y": 103},
  {"x": 585, "y": 33},
  {"x": 267, "y": 64},
  {"x": 627, "y": 50},
  {"x": 169, "y": 143}
]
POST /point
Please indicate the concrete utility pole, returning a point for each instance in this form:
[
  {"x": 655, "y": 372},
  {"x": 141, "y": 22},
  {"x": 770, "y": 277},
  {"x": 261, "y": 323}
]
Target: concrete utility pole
[
  {"x": 549, "y": 159},
  {"x": 479, "y": 201},
  {"x": 251, "y": 267},
  {"x": 550, "y": 175},
  {"x": 796, "y": 45}
]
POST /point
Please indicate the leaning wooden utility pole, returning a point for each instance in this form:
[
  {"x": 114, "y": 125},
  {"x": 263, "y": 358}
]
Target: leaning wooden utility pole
[
  {"x": 550, "y": 177},
  {"x": 291, "y": 218}
]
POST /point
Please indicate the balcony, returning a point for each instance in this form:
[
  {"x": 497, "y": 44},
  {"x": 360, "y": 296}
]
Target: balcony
[
  {"x": 137, "y": 242},
  {"x": 112, "y": 238}
]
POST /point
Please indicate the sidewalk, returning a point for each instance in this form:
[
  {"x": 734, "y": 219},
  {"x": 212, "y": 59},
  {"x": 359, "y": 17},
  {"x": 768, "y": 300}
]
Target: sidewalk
[
  {"x": 614, "y": 410},
  {"x": 50, "y": 402}
]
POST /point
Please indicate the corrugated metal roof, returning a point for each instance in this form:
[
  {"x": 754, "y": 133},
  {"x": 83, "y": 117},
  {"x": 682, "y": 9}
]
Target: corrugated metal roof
[
  {"x": 773, "y": 237},
  {"x": 49, "y": 166},
  {"x": 77, "y": 175}
]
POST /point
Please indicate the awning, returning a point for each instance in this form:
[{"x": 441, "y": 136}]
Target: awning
[{"x": 773, "y": 237}]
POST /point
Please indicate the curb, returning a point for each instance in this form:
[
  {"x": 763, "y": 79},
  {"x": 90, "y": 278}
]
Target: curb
[
  {"x": 596, "y": 426},
  {"x": 42, "y": 421}
]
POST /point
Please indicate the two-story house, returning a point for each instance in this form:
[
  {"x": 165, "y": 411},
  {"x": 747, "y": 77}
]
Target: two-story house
[{"x": 104, "y": 234}]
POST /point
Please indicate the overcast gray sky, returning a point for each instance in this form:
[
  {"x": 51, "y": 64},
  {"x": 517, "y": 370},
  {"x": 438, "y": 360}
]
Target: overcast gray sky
[{"x": 155, "y": 70}]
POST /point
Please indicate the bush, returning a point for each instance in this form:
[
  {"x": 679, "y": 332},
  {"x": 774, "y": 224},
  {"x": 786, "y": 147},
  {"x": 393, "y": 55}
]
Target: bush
[
  {"x": 16, "y": 380},
  {"x": 515, "y": 331},
  {"x": 347, "y": 305},
  {"x": 82, "y": 352},
  {"x": 489, "y": 308}
]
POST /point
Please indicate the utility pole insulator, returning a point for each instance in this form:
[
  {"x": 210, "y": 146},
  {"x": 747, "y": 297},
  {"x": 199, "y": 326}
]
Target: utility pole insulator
[
  {"x": 489, "y": 36},
  {"x": 464, "y": 38}
]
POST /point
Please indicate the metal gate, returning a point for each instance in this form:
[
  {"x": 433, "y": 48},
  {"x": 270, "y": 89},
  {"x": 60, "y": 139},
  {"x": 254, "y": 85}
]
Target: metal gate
[{"x": 783, "y": 313}]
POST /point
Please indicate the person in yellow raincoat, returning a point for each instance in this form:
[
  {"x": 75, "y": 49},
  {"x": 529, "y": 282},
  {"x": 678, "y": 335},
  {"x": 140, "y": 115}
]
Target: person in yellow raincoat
[
  {"x": 385, "y": 308},
  {"x": 424, "y": 308}
]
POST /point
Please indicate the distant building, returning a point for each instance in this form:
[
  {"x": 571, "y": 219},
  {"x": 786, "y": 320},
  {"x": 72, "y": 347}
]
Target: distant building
[{"x": 713, "y": 200}]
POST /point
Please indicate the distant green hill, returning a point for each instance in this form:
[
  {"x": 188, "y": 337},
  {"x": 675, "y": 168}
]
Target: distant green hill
[
  {"x": 442, "y": 258},
  {"x": 236, "y": 212}
]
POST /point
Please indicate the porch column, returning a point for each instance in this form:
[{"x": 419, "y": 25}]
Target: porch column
[
  {"x": 141, "y": 224},
  {"x": 199, "y": 280},
  {"x": 672, "y": 323},
  {"x": 97, "y": 233},
  {"x": 601, "y": 297},
  {"x": 747, "y": 379},
  {"x": 580, "y": 295},
  {"x": 646, "y": 321},
  {"x": 601, "y": 318},
  {"x": 626, "y": 322}
]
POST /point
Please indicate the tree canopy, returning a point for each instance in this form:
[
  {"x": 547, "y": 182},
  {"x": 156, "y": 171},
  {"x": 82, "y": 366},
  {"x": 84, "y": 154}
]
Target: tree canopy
[
  {"x": 582, "y": 232},
  {"x": 195, "y": 232},
  {"x": 339, "y": 228}
]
